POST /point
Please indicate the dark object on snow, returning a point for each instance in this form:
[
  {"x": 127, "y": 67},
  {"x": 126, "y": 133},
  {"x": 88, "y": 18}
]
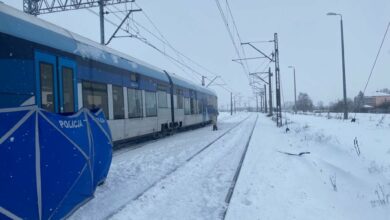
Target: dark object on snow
[
  {"x": 50, "y": 163},
  {"x": 287, "y": 130},
  {"x": 353, "y": 120},
  {"x": 292, "y": 154},
  {"x": 356, "y": 145},
  {"x": 213, "y": 116},
  {"x": 333, "y": 182}
]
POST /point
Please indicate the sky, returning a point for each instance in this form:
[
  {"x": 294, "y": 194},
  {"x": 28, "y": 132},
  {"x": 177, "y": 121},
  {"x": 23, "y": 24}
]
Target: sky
[{"x": 308, "y": 40}]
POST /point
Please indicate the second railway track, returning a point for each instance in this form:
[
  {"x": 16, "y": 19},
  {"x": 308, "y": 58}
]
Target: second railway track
[
  {"x": 238, "y": 171},
  {"x": 176, "y": 168}
]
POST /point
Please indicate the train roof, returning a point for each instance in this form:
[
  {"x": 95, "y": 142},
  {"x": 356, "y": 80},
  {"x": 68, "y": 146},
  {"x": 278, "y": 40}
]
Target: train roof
[
  {"x": 177, "y": 80},
  {"x": 28, "y": 27}
]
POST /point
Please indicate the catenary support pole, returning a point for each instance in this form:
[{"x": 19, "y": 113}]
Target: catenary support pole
[
  {"x": 277, "y": 83},
  {"x": 234, "y": 103},
  {"x": 270, "y": 91},
  {"x": 343, "y": 62},
  {"x": 101, "y": 15},
  {"x": 344, "y": 80},
  {"x": 265, "y": 99},
  {"x": 262, "y": 102},
  {"x": 231, "y": 103},
  {"x": 295, "y": 93}
]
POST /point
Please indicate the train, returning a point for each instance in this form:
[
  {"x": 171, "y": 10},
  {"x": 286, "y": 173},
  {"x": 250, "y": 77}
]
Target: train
[{"x": 48, "y": 66}]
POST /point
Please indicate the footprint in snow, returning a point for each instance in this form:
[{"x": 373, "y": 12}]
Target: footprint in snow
[{"x": 247, "y": 202}]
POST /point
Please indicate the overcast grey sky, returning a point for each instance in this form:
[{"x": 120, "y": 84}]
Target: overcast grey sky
[{"x": 308, "y": 39}]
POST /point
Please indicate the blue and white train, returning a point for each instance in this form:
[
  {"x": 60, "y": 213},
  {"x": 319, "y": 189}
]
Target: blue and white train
[{"x": 45, "y": 65}]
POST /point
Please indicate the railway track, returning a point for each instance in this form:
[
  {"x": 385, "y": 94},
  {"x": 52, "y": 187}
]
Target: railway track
[
  {"x": 177, "y": 167},
  {"x": 131, "y": 147},
  {"x": 127, "y": 147},
  {"x": 237, "y": 173}
]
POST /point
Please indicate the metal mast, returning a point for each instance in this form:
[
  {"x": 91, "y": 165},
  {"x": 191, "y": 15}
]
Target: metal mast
[
  {"x": 270, "y": 91},
  {"x": 101, "y": 16},
  {"x": 265, "y": 99},
  {"x": 37, "y": 7},
  {"x": 277, "y": 83}
]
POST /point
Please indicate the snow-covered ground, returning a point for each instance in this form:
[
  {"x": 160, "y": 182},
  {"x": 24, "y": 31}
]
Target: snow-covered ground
[
  {"x": 164, "y": 180},
  {"x": 198, "y": 189},
  {"x": 155, "y": 181},
  {"x": 332, "y": 182}
]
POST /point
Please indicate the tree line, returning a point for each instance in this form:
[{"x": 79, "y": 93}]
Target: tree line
[{"x": 304, "y": 103}]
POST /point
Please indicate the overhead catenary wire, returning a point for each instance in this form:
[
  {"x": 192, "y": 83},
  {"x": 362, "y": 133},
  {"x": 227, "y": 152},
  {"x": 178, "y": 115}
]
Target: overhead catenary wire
[
  {"x": 143, "y": 40},
  {"x": 377, "y": 56},
  {"x": 179, "y": 54},
  {"x": 165, "y": 41},
  {"x": 237, "y": 32},
  {"x": 374, "y": 64},
  {"x": 261, "y": 41},
  {"x": 161, "y": 38},
  {"x": 262, "y": 64},
  {"x": 224, "y": 19}
]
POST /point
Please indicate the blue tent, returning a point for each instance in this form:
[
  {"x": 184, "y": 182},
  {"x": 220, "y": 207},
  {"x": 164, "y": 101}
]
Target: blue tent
[{"x": 50, "y": 164}]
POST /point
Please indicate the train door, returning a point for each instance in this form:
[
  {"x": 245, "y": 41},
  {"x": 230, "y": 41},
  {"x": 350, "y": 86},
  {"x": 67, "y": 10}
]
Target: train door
[
  {"x": 204, "y": 112},
  {"x": 55, "y": 83},
  {"x": 46, "y": 78},
  {"x": 67, "y": 85}
]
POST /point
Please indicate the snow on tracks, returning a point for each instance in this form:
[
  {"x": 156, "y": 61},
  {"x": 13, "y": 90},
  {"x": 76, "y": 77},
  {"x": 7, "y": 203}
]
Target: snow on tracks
[
  {"x": 197, "y": 189},
  {"x": 135, "y": 171},
  {"x": 237, "y": 173}
]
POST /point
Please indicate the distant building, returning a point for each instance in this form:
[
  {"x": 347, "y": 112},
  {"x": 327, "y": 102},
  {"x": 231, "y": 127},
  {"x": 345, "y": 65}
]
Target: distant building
[{"x": 375, "y": 99}]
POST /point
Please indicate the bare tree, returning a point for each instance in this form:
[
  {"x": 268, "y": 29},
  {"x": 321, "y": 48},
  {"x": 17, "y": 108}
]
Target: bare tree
[{"x": 304, "y": 102}]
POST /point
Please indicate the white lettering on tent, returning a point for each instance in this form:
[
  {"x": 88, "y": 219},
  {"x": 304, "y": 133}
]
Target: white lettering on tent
[
  {"x": 70, "y": 123},
  {"x": 101, "y": 120}
]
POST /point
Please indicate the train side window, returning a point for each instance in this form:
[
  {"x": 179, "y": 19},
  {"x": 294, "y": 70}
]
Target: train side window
[
  {"x": 200, "y": 106},
  {"x": 47, "y": 86},
  {"x": 150, "y": 104},
  {"x": 68, "y": 93},
  {"x": 193, "y": 106},
  {"x": 118, "y": 102},
  {"x": 95, "y": 96},
  {"x": 133, "y": 77},
  {"x": 134, "y": 100},
  {"x": 162, "y": 99},
  {"x": 179, "y": 98},
  {"x": 187, "y": 107},
  {"x": 180, "y": 102}
]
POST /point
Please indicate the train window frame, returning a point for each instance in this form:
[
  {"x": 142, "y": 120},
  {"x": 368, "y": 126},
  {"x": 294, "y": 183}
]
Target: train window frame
[
  {"x": 187, "y": 107},
  {"x": 52, "y": 82},
  {"x": 147, "y": 104},
  {"x": 179, "y": 99},
  {"x": 72, "y": 98},
  {"x": 133, "y": 77},
  {"x": 104, "y": 99},
  {"x": 137, "y": 96},
  {"x": 200, "y": 106},
  {"x": 193, "y": 104},
  {"x": 118, "y": 105},
  {"x": 162, "y": 99}
]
